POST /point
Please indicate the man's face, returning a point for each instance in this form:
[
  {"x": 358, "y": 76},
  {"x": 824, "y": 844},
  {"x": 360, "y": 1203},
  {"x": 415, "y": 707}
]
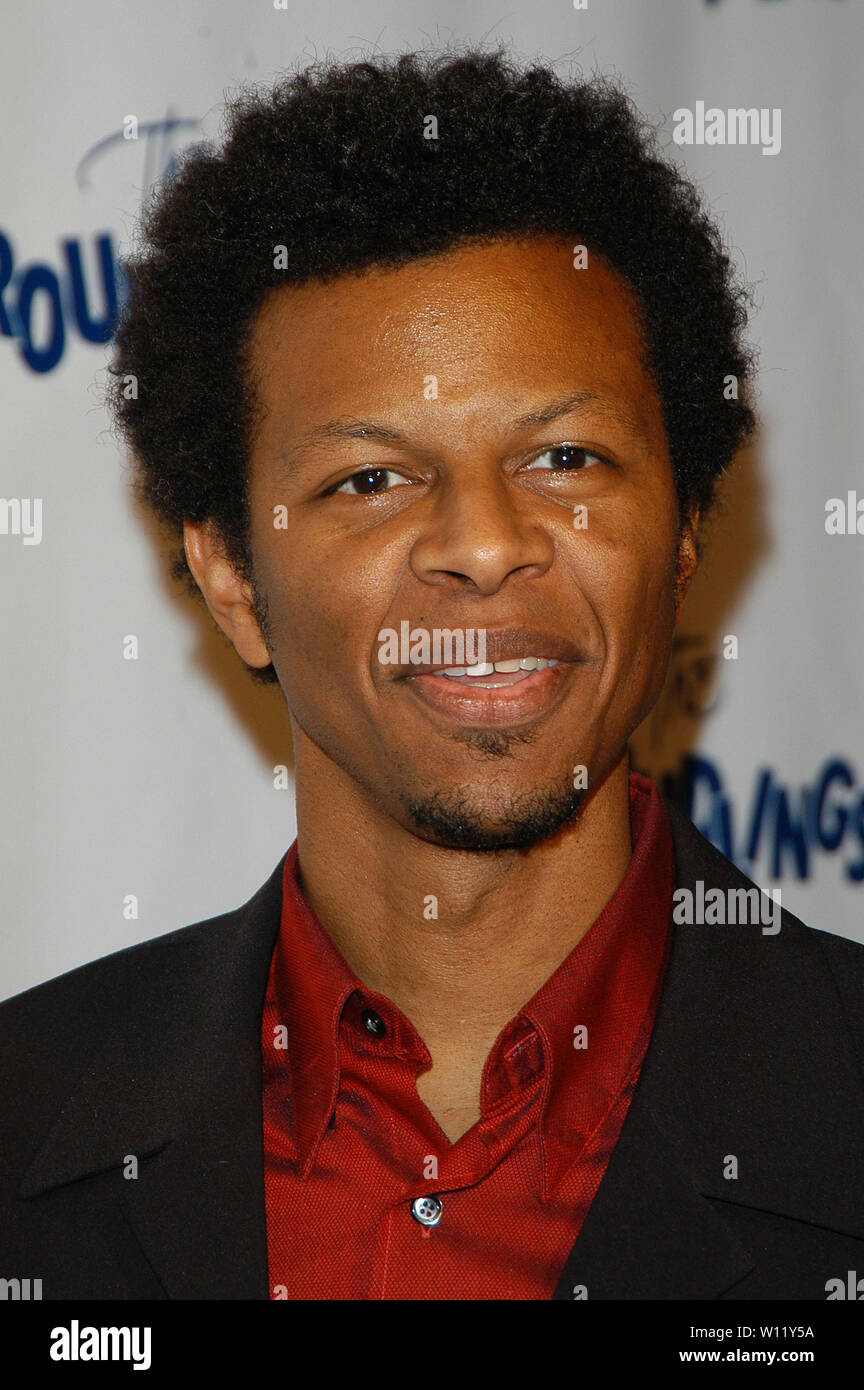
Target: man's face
[{"x": 513, "y": 477}]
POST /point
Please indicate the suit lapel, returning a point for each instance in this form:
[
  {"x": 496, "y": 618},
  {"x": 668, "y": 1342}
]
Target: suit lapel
[
  {"x": 722, "y": 1079},
  {"x": 649, "y": 1234},
  {"x": 190, "y": 1111}
]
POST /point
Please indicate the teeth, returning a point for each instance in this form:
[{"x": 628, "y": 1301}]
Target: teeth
[{"x": 485, "y": 668}]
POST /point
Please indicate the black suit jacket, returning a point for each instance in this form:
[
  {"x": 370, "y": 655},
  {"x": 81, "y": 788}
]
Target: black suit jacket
[{"x": 757, "y": 1052}]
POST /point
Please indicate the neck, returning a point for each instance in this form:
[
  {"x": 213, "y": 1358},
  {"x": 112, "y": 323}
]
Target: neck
[{"x": 459, "y": 940}]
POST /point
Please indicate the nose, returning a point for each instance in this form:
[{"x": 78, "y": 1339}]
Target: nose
[{"x": 480, "y": 533}]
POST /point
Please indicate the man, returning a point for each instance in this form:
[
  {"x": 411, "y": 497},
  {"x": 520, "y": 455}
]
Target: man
[{"x": 438, "y": 351}]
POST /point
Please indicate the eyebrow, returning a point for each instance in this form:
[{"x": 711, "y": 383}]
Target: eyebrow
[{"x": 373, "y": 430}]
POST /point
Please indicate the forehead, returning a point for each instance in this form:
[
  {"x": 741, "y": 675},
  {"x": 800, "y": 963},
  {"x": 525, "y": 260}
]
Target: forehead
[{"x": 498, "y": 320}]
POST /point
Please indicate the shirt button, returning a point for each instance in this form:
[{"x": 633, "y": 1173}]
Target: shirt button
[
  {"x": 374, "y": 1023},
  {"x": 427, "y": 1210}
]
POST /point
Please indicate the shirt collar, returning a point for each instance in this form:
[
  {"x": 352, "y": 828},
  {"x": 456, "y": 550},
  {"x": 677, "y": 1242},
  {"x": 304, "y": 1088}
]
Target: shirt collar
[{"x": 608, "y": 985}]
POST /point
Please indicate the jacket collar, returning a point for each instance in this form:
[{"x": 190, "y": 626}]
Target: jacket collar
[{"x": 727, "y": 1073}]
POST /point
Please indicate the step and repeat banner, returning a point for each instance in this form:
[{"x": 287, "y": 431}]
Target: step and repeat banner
[{"x": 142, "y": 794}]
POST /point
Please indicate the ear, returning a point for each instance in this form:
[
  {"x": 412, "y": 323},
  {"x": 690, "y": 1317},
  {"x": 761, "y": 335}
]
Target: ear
[
  {"x": 688, "y": 555},
  {"x": 227, "y": 595}
]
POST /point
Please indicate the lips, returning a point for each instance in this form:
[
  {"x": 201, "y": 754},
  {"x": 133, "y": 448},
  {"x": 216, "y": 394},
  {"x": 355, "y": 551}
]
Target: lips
[
  {"x": 507, "y": 645},
  {"x": 491, "y": 698}
]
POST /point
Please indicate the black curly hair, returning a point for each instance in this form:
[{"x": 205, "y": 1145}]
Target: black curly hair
[{"x": 333, "y": 164}]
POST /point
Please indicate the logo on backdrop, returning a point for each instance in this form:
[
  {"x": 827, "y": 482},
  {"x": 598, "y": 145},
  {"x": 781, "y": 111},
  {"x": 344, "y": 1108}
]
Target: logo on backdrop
[
  {"x": 780, "y": 827},
  {"x": 42, "y": 305}
]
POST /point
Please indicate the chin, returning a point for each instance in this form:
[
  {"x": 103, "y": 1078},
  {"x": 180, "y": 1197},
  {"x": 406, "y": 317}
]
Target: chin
[{"x": 454, "y": 821}]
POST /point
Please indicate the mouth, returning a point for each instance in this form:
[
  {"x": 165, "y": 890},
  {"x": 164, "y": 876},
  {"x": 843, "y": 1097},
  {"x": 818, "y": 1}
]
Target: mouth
[
  {"x": 524, "y": 677},
  {"x": 504, "y": 699}
]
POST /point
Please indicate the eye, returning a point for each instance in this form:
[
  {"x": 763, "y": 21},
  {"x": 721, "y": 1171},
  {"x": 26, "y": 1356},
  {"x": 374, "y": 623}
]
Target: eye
[
  {"x": 368, "y": 481},
  {"x": 571, "y": 459}
]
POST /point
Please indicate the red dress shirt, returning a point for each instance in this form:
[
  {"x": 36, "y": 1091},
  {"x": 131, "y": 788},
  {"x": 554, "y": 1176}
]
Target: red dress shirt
[{"x": 349, "y": 1146}]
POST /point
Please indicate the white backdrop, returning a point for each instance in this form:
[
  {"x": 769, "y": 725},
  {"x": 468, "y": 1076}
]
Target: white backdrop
[{"x": 154, "y": 777}]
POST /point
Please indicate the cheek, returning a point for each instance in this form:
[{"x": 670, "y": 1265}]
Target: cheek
[
  {"x": 627, "y": 573},
  {"x": 325, "y": 599},
  {"x": 653, "y": 613},
  {"x": 311, "y": 615}
]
